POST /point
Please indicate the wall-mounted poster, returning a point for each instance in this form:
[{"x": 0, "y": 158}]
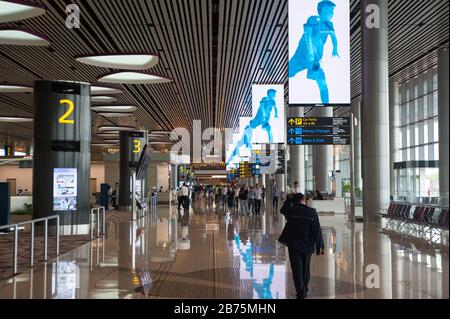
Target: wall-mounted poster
[
  {"x": 319, "y": 52},
  {"x": 267, "y": 125},
  {"x": 65, "y": 189}
]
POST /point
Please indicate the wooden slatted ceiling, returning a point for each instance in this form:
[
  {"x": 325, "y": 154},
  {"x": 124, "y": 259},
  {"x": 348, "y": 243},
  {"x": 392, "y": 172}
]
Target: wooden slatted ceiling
[{"x": 251, "y": 48}]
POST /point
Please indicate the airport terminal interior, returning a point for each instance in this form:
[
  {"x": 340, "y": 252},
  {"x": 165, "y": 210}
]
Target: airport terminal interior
[{"x": 150, "y": 148}]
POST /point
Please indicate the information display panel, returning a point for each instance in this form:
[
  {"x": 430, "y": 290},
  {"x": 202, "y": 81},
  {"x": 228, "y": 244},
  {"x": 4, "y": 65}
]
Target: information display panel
[
  {"x": 144, "y": 162},
  {"x": 268, "y": 161},
  {"x": 319, "y": 52},
  {"x": 318, "y": 130},
  {"x": 232, "y": 174},
  {"x": 65, "y": 185},
  {"x": 245, "y": 170}
]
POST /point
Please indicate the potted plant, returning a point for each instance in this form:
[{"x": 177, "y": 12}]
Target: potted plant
[{"x": 346, "y": 189}]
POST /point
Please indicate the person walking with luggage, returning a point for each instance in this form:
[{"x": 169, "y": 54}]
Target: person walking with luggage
[{"x": 302, "y": 235}]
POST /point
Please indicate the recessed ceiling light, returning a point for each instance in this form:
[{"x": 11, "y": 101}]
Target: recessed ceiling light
[
  {"x": 107, "y": 128},
  {"x": 133, "y": 78},
  {"x": 102, "y": 90},
  {"x": 11, "y": 88},
  {"x": 15, "y": 119},
  {"x": 22, "y": 37},
  {"x": 114, "y": 108},
  {"x": 160, "y": 132},
  {"x": 114, "y": 114},
  {"x": 11, "y": 10},
  {"x": 103, "y": 99},
  {"x": 133, "y": 61}
]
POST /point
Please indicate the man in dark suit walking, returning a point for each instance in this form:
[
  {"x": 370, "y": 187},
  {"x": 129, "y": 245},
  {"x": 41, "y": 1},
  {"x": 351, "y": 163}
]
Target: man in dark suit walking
[{"x": 303, "y": 236}]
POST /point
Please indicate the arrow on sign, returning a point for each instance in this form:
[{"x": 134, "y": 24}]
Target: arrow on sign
[
  {"x": 291, "y": 122},
  {"x": 292, "y": 131},
  {"x": 291, "y": 140}
]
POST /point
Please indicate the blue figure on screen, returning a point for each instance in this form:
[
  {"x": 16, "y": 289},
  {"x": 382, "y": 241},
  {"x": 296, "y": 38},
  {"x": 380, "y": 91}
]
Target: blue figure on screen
[
  {"x": 309, "y": 53},
  {"x": 262, "y": 119}
]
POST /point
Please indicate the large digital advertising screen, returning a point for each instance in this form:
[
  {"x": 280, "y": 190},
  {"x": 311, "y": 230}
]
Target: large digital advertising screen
[
  {"x": 319, "y": 52},
  {"x": 233, "y": 162},
  {"x": 267, "y": 125},
  {"x": 242, "y": 145},
  {"x": 65, "y": 189}
]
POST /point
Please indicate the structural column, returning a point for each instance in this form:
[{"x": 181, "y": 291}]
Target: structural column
[
  {"x": 279, "y": 179},
  {"x": 394, "y": 120},
  {"x": 375, "y": 112},
  {"x": 297, "y": 156},
  {"x": 443, "y": 125},
  {"x": 323, "y": 156},
  {"x": 131, "y": 147},
  {"x": 356, "y": 110},
  {"x": 262, "y": 179},
  {"x": 62, "y": 154}
]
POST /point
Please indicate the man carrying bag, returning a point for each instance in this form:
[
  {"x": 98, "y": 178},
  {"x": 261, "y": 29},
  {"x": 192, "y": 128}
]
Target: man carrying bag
[{"x": 303, "y": 236}]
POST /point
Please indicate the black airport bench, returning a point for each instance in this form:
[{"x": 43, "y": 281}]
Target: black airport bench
[{"x": 423, "y": 215}]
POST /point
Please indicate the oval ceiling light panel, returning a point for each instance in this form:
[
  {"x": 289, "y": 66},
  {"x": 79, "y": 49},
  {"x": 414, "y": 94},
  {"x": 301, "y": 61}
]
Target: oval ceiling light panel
[
  {"x": 11, "y": 88},
  {"x": 104, "y": 90},
  {"x": 133, "y": 61},
  {"x": 103, "y": 99},
  {"x": 159, "y": 143},
  {"x": 109, "y": 135},
  {"x": 115, "y": 128},
  {"x": 22, "y": 37},
  {"x": 133, "y": 78},
  {"x": 114, "y": 108},
  {"x": 104, "y": 144},
  {"x": 15, "y": 119},
  {"x": 14, "y": 10},
  {"x": 114, "y": 114}
]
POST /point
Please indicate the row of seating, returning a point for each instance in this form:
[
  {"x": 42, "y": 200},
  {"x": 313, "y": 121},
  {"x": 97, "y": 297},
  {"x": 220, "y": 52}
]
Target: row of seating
[{"x": 436, "y": 216}]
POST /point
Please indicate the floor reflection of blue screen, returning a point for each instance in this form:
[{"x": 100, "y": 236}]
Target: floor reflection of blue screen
[
  {"x": 319, "y": 52},
  {"x": 268, "y": 279}
]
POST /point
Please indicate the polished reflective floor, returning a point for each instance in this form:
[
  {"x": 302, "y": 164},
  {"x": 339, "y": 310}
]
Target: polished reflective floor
[{"x": 213, "y": 252}]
